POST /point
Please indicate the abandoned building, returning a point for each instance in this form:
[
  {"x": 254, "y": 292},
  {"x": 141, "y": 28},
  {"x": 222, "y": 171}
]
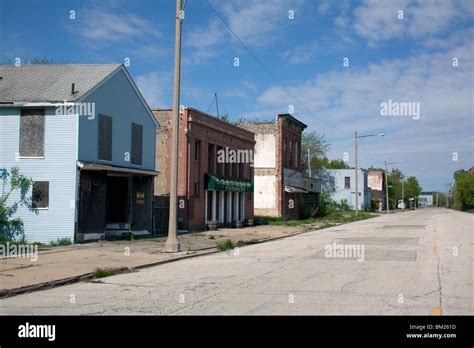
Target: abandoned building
[
  {"x": 376, "y": 183},
  {"x": 279, "y": 181},
  {"x": 215, "y": 173},
  {"x": 86, "y": 137}
]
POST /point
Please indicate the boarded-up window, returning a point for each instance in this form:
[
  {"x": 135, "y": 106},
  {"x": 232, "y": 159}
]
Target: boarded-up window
[
  {"x": 40, "y": 197},
  {"x": 32, "y": 133},
  {"x": 105, "y": 138},
  {"x": 347, "y": 182},
  {"x": 137, "y": 143}
]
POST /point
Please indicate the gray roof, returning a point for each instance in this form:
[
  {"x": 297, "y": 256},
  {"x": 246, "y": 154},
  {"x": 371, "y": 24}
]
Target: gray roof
[{"x": 50, "y": 82}]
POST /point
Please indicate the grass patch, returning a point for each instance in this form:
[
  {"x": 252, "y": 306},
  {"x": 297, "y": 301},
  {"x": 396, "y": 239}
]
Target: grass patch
[
  {"x": 241, "y": 243},
  {"x": 24, "y": 241},
  {"x": 60, "y": 242},
  {"x": 336, "y": 217},
  {"x": 102, "y": 273},
  {"x": 225, "y": 245},
  {"x": 212, "y": 237}
]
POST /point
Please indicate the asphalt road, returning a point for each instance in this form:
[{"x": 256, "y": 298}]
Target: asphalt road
[{"x": 417, "y": 262}]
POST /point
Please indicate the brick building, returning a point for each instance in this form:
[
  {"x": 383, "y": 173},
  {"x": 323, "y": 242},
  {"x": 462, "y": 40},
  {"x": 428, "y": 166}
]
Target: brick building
[
  {"x": 214, "y": 187},
  {"x": 376, "y": 183},
  {"x": 279, "y": 183}
]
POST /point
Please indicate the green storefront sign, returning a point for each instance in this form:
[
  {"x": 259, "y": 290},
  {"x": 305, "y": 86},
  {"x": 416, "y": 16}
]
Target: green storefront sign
[{"x": 223, "y": 183}]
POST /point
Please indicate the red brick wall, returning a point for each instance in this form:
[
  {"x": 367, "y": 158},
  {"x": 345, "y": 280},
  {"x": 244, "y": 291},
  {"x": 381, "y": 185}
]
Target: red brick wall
[{"x": 208, "y": 130}]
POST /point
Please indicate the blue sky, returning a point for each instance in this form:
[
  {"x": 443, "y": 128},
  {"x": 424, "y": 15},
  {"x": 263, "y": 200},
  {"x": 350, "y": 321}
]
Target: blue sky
[{"x": 407, "y": 59}]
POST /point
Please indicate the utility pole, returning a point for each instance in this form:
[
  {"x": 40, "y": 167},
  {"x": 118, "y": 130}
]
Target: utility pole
[
  {"x": 356, "y": 137},
  {"x": 172, "y": 244},
  {"x": 309, "y": 162},
  {"x": 217, "y": 105},
  {"x": 447, "y": 196},
  {"x": 386, "y": 188},
  {"x": 403, "y": 195},
  {"x": 356, "y": 177}
]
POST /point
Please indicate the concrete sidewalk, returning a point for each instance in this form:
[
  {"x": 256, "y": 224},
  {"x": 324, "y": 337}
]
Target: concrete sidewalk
[{"x": 61, "y": 265}]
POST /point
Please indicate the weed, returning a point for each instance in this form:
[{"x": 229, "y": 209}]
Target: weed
[
  {"x": 225, "y": 245},
  {"x": 241, "y": 243},
  {"x": 60, "y": 242},
  {"x": 101, "y": 273}
]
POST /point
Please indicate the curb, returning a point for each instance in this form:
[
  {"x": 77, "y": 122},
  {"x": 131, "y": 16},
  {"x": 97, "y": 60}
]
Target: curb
[{"x": 90, "y": 275}]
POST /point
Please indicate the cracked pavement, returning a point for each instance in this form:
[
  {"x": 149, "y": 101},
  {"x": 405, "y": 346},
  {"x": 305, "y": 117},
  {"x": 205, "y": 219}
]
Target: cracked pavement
[{"x": 415, "y": 262}]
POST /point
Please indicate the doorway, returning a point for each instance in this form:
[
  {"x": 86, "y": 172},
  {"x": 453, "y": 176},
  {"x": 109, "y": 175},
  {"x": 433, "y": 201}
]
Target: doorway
[{"x": 118, "y": 200}]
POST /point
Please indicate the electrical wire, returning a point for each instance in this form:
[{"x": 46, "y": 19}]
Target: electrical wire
[{"x": 270, "y": 73}]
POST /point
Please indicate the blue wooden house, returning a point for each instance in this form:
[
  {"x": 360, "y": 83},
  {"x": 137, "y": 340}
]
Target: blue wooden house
[{"x": 86, "y": 137}]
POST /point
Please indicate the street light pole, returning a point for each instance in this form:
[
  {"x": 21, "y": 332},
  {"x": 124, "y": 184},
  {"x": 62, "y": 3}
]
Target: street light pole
[
  {"x": 356, "y": 137},
  {"x": 356, "y": 177},
  {"x": 172, "y": 244}
]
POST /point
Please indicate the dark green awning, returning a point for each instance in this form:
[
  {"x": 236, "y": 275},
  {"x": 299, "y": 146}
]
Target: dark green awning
[{"x": 223, "y": 183}]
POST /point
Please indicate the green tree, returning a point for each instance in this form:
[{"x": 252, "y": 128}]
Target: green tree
[
  {"x": 336, "y": 164},
  {"x": 394, "y": 187},
  {"x": 464, "y": 190},
  {"x": 412, "y": 187},
  {"x": 318, "y": 148},
  {"x": 12, "y": 182}
]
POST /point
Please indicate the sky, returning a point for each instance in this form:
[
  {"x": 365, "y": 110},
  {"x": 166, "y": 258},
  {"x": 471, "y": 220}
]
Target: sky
[{"x": 331, "y": 63}]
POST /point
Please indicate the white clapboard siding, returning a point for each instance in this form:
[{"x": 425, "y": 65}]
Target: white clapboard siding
[{"x": 58, "y": 167}]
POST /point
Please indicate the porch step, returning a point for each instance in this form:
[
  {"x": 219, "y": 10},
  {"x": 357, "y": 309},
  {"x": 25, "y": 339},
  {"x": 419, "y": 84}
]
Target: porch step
[
  {"x": 118, "y": 233},
  {"x": 118, "y": 226}
]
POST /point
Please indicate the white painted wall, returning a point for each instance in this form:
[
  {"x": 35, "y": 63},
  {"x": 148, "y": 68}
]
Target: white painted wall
[
  {"x": 348, "y": 194},
  {"x": 265, "y": 192},
  {"x": 265, "y": 150}
]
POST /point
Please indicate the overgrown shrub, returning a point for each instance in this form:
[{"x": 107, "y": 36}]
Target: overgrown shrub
[{"x": 12, "y": 182}]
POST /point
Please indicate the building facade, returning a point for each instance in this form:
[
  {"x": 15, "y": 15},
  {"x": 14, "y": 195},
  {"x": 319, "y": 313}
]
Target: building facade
[
  {"x": 86, "y": 137},
  {"x": 376, "y": 183},
  {"x": 279, "y": 183},
  {"x": 344, "y": 187},
  {"x": 215, "y": 172},
  {"x": 425, "y": 199}
]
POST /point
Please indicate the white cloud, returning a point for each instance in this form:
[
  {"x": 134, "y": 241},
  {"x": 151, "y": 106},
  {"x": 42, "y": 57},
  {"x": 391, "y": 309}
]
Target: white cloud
[
  {"x": 334, "y": 42},
  {"x": 108, "y": 32},
  {"x": 103, "y": 27},
  {"x": 350, "y": 99},
  {"x": 258, "y": 23},
  {"x": 378, "y": 20},
  {"x": 204, "y": 43},
  {"x": 156, "y": 89}
]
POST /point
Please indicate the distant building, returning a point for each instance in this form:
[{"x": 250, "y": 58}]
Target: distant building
[
  {"x": 214, "y": 189},
  {"x": 344, "y": 187},
  {"x": 376, "y": 182},
  {"x": 86, "y": 137},
  {"x": 279, "y": 181},
  {"x": 425, "y": 199}
]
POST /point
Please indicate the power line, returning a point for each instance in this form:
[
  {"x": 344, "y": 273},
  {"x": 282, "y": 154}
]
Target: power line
[
  {"x": 209, "y": 107},
  {"x": 223, "y": 106},
  {"x": 269, "y": 72}
]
